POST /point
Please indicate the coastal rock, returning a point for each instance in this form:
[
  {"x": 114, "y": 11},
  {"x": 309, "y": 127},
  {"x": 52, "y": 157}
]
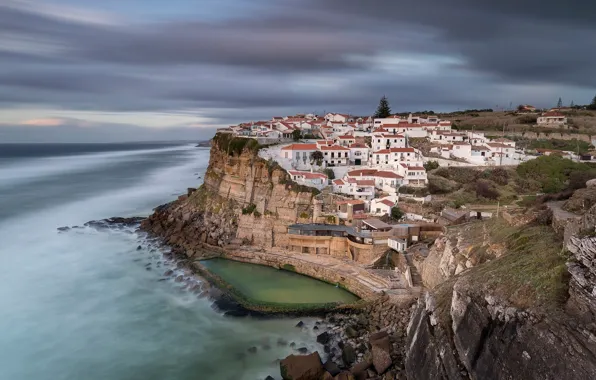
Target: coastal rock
[
  {"x": 345, "y": 376},
  {"x": 348, "y": 354},
  {"x": 332, "y": 368},
  {"x": 302, "y": 367},
  {"x": 323, "y": 338}
]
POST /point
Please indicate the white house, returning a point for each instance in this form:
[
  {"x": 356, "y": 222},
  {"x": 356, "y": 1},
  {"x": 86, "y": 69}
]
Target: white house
[
  {"x": 346, "y": 140},
  {"x": 298, "y": 153},
  {"x": 461, "y": 150},
  {"x": 397, "y": 244},
  {"x": 335, "y": 155},
  {"x": 444, "y": 137},
  {"x": 394, "y": 155},
  {"x": 386, "y": 141},
  {"x": 316, "y": 180},
  {"x": 381, "y": 206},
  {"x": 501, "y": 149},
  {"x": 414, "y": 176},
  {"x": 338, "y": 117},
  {"x": 359, "y": 153},
  {"x": 552, "y": 119},
  {"x": 385, "y": 180},
  {"x": 358, "y": 188}
]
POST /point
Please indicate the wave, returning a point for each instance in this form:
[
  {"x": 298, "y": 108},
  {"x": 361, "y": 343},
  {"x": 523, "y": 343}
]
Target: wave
[{"x": 31, "y": 170}]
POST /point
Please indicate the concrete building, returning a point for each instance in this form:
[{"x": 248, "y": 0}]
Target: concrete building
[{"x": 551, "y": 119}]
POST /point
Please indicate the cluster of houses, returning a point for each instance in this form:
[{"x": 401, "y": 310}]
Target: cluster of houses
[{"x": 371, "y": 158}]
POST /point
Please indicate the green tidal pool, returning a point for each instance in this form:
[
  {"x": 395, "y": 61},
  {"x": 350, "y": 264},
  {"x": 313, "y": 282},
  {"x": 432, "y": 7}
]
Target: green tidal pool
[{"x": 270, "y": 285}]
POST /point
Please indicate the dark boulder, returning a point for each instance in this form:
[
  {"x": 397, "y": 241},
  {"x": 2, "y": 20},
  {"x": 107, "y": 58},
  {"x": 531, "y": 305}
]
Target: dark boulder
[
  {"x": 348, "y": 354},
  {"x": 300, "y": 324},
  {"x": 323, "y": 338},
  {"x": 252, "y": 350},
  {"x": 332, "y": 368}
]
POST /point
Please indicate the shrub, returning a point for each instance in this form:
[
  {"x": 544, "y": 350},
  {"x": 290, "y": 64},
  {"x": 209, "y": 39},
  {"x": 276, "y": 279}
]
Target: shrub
[
  {"x": 256, "y": 214},
  {"x": 553, "y": 172},
  {"x": 485, "y": 189},
  {"x": 527, "y": 119},
  {"x": 499, "y": 176},
  {"x": 431, "y": 165},
  {"x": 396, "y": 213},
  {"x": 304, "y": 215},
  {"x": 249, "y": 209}
]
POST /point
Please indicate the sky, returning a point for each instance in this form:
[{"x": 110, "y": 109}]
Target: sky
[{"x": 122, "y": 70}]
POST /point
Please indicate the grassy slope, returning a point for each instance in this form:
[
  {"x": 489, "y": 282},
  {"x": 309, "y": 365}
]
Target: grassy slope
[{"x": 531, "y": 275}]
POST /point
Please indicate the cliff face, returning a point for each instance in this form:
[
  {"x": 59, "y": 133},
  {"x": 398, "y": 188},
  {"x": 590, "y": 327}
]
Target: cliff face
[
  {"x": 243, "y": 199},
  {"x": 520, "y": 316}
]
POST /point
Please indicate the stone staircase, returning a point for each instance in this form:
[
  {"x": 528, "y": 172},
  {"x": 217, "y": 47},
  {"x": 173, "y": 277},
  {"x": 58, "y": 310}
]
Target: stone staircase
[{"x": 416, "y": 277}]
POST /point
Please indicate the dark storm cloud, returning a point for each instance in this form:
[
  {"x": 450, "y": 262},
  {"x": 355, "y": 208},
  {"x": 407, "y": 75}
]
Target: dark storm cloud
[{"x": 252, "y": 65}]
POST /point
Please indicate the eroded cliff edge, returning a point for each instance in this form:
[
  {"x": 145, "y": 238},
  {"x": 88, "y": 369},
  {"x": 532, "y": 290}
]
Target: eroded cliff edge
[
  {"x": 520, "y": 315},
  {"x": 244, "y": 200}
]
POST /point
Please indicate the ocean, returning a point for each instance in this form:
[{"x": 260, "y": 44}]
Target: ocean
[{"x": 86, "y": 304}]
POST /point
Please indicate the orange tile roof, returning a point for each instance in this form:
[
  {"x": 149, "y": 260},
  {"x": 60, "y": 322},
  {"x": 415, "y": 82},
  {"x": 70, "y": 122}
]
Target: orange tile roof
[{"x": 300, "y": 147}]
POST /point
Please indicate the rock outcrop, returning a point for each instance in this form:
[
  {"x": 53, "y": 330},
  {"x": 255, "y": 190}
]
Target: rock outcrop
[
  {"x": 302, "y": 367},
  {"x": 243, "y": 199},
  {"x": 473, "y": 326}
]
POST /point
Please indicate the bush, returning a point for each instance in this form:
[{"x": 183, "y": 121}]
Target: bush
[
  {"x": 485, "y": 189},
  {"x": 304, "y": 215},
  {"x": 256, "y": 214},
  {"x": 553, "y": 172},
  {"x": 396, "y": 213},
  {"x": 527, "y": 119},
  {"x": 249, "y": 209},
  {"x": 431, "y": 165}
]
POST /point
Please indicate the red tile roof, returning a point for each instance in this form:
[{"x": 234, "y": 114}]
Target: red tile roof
[
  {"x": 308, "y": 175},
  {"x": 416, "y": 168},
  {"x": 347, "y": 137},
  {"x": 362, "y": 172},
  {"x": 386, "y": 174},
  {"x": 387, "y": 202},
  {"x": 553, "y": 114},
  {"x": 350, "y": 202},
  {"x": 300, "y": 147},
  {"x": 338, "y": 182},
  {"x": 358, "y": 145},
  {"x": 334, "y": 147},
  {"x": 368, "y": 182}
]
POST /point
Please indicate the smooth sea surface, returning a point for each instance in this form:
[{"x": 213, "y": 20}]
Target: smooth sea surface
[
  {"x": 82, "y": 304},
  {"x": 266, "y": 284}
]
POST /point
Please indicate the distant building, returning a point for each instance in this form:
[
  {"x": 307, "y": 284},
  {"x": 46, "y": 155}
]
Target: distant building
[{"x": 552, "y": 118}]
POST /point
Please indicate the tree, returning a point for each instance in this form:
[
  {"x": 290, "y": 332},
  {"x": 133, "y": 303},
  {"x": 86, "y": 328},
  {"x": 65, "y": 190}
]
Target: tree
[
  {"x": 383, "y": 110},
  {"x": 592, "y": 106},
  {"x": 560, "y": 103},
  {"x": 396, "y": 213},
  {"x": 572, "y": 104},
  {"x": 296, "y": 135},
  {"x": 316, "y": 156},
  {"x": 329, "y": 173},
  {"x": 521, "y": 108}
]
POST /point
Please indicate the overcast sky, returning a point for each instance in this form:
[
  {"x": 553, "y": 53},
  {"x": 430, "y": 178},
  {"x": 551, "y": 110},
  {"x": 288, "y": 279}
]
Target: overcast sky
[{"x": 128, "y": 69}]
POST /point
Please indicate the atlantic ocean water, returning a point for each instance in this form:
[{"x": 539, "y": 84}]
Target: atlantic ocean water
[{"x": 83, "y": 304}]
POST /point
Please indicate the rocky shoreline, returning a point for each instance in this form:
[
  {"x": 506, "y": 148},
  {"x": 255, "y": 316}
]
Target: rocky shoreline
[{"x": 365, "y": 342}]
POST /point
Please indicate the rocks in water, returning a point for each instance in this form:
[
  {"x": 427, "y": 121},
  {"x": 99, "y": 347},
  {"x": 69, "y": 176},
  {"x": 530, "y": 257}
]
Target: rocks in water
[
  {"x": 332, "y": 368},
  {"x": 348, "y": 354},
  {"x": 269, "y": 378},
  {"x": 179, "y": 278},
  {"x": 139, "y": 248},
  {"x": 281, "y": 342},
  {"x": 381, "y": 351},
  {"x": 115, "y": 222},
  {"x": 323, "y": 338},
  {"x": 315, "y": 328},
  {"x": 63, "y": 229},
  {"x": 300, "y": 324},
  {"x": 302, "y": 350},
  {"x": 252, "y": 350},
  {"x": 293, "y": 344},
  {"x": 305, "y": 367},
  {"x": 169, "y": 272},
  {"x": 266, "y": 346}
]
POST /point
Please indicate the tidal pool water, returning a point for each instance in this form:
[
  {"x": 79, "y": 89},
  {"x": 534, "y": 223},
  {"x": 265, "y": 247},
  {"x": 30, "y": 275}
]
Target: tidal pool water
[{"x": 266, "y": 284}]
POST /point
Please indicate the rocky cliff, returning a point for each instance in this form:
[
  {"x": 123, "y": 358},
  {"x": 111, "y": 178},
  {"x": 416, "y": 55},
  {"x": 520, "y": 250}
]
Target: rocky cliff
[
  {"x": 520, "y": 315},
  {"x": 244, "y": 199}
]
